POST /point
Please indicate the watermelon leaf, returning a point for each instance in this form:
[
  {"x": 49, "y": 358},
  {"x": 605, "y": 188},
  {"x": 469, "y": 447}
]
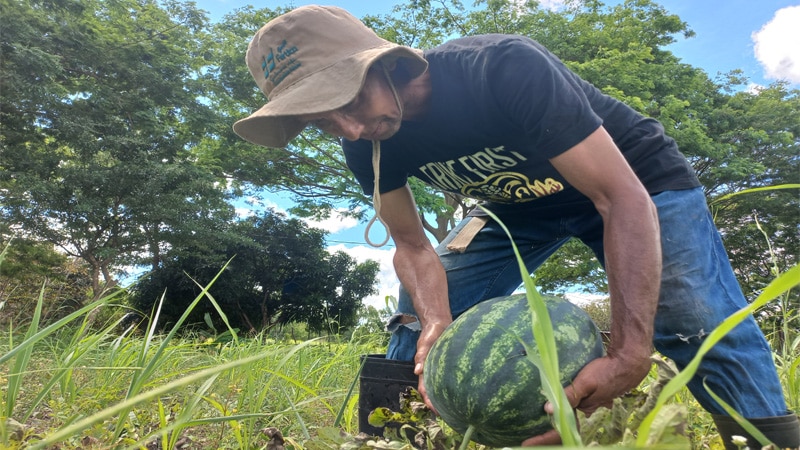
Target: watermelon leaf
[
  {"x": 668, "y": 430},
  {"x": 383, "y": 415}
]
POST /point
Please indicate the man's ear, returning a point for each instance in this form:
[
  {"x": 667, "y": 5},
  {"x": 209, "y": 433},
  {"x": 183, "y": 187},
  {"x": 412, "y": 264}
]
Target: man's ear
[{"x": 397, "y": 70}]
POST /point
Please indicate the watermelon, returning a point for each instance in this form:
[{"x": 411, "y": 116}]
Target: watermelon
[{"x": 477, "y": 372}]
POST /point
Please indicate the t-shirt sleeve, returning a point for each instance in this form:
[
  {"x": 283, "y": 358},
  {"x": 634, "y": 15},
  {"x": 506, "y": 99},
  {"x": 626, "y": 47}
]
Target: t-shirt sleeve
[{"x": 537, "y": 92}]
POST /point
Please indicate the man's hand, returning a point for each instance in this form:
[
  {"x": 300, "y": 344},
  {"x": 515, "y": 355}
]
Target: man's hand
[
  {"x": 429, "y": 334},
  {"x": 596, "y": 385}
]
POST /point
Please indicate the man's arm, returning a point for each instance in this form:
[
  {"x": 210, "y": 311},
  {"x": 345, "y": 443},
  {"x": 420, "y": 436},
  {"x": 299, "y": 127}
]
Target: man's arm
[
  {"x": 632, "y": 244},
  {"x": 419, "y": 269}
]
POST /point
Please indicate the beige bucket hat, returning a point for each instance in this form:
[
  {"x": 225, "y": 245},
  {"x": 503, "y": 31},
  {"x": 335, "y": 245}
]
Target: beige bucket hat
[{"x": 310, "y": 60}]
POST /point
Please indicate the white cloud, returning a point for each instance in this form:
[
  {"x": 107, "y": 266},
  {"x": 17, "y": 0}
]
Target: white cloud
[
  {"x": 335, "y": 223},
  {"x": 244, "y": 213},
  {"x": 583, "y": 298},
  {"x": 776, "y": 45},
  {"x": 553, "y": 5},
  {"x": 250, "y": 206},
  {"x": 388, "y": 284},
  {"x": 754, "y": 88}
]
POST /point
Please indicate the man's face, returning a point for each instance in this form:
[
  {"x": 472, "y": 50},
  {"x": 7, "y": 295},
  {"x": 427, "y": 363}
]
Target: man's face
[{"x": 372, "y": 115}]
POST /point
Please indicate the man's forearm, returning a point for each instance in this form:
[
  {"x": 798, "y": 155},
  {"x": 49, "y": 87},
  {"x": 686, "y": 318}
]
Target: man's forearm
[
  {"x": 633, "y": 264},
  {"x": 423, "y": 277}
]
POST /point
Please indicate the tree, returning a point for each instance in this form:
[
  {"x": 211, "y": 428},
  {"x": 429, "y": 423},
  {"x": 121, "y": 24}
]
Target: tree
[
  {"x": 99, "y": 106},
  {"x": 759, "y": 136},
  {"x": 279, "y": 273}
]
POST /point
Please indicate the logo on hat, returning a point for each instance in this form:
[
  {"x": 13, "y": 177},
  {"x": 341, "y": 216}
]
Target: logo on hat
[{"x": 283, "y": 60}]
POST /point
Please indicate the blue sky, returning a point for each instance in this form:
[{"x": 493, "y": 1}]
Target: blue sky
[
  {"x": 760, "y": 37},
  {"x": 724, "y": 29}
]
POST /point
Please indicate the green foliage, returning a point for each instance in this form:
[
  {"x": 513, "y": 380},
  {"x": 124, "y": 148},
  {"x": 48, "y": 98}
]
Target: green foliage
[
  {"x": 609, "y": 426},
  {"x": 372, "y": 322},
  {"x": 279, "y": 273},
  {"x": 20, "y": 358},
  {"x": 153, "y": 371},
  {"x": 413, "y": 423},
  {"x": 572, "y": 264},
  {"x": 27, "y": 267},
  {"x": 99, "y": 106},
  {"x": 264, "y": 394},
  {"x": 759, "y": 133}
]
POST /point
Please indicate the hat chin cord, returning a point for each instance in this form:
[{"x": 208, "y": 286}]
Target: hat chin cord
[{"x": 376, "y": 169}]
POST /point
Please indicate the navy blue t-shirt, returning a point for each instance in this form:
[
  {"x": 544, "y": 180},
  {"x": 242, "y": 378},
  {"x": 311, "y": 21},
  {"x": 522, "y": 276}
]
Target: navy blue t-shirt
[{"x": 500, "y": 107}]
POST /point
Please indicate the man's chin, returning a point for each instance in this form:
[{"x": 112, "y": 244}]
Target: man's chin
[{"x": 384, "y": 130}]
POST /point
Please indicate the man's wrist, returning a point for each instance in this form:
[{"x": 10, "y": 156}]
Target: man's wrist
[
  {"x": 637, "y": 347},
  {"x": 442, "y": 320},
  {"x": 631, "y": 354}
]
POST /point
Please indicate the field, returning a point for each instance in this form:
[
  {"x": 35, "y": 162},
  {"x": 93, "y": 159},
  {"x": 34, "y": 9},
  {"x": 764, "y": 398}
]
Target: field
[{"x": 69, "y": 386}]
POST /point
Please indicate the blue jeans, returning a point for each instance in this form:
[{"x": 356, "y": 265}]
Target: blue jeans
[{"x": 698, "y": 291}]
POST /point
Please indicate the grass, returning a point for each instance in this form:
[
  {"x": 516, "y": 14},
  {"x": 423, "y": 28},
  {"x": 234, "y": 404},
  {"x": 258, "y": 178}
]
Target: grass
[
  {"x": 70, "y": 386},
  {"x": 73, "y": 390},
  {"x": 215, "y": 396},
  {"x": 67, "y": 385}
]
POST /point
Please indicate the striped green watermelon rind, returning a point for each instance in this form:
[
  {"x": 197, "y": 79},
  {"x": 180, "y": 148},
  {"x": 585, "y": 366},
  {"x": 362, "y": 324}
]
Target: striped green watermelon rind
[{"x": 477, "y": 373}]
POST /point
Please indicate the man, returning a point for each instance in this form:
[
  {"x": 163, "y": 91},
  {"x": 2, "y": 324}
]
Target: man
[{"x": 500, "y": 119}]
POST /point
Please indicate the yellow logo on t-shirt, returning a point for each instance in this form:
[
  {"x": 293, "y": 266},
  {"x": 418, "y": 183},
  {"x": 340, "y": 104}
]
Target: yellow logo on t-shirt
[
  {"x": 485, "y": 175},
  {"x": 511, "y": 187}
]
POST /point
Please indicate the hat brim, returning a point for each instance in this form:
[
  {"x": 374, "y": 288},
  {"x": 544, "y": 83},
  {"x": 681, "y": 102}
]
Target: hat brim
[{"x": 275, "y": 124}]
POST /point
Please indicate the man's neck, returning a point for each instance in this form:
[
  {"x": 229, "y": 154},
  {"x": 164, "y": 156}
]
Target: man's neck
[{"x": 415, "y": 96}]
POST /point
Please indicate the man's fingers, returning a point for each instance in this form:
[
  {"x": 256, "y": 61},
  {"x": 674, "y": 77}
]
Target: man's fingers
[
  {"x": 552, "y": 437},
  {"x": 424, "y": 394},
  {"x": 419, "y": 367},
  {"x": 573, "y": 397}
]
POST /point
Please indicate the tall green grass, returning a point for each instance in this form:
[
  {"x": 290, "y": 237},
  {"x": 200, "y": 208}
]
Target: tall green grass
[
  {"x": 222, "y": 397},
  {"x": 73, "y": 387}
]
